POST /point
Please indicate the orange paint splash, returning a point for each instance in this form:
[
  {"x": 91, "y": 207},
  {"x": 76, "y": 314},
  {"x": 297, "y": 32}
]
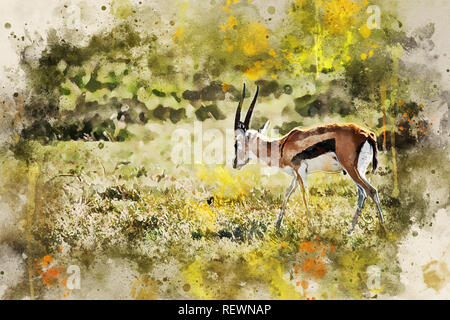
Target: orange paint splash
[
  {"x": 51, "y": 275},
  {"x": 46, "y": 260},
  {"x": 305, "y": 284},
  {"x": 315, "y": 267},
  {"x": 225, "y": 87}
]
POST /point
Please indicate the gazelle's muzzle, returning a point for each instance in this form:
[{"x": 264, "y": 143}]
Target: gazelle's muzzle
[{"x": 235, "y": 164}]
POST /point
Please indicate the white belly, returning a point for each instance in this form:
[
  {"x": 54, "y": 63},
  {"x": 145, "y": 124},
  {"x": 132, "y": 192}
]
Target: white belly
[{"x": 327, "y": 162}]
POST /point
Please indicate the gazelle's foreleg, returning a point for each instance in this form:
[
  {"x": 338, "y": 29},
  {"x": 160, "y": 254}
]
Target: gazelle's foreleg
[
  {"x": 288, "y": 194},
  {"x": 361, "y": 199},
  {"x": 301, "y": 176}
]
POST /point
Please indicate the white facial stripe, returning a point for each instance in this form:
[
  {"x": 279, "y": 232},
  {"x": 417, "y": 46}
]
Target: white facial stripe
[{"x": 252, "y": 156}]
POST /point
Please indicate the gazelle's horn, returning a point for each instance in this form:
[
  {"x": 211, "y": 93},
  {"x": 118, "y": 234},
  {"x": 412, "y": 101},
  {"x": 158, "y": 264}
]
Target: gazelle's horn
[
  {"x": 237, "y": 119},
  {"x": 250, "y": 110}
]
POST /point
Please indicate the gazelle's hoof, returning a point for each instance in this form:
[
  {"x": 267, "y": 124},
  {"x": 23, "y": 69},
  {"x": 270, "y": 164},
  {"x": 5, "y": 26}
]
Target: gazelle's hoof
[
  {"x": 278, "y": 225},
  {"x": 382, "y": 231}
]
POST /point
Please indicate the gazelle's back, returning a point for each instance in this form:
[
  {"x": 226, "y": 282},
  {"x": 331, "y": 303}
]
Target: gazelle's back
[{"x": 306, "y": 144}]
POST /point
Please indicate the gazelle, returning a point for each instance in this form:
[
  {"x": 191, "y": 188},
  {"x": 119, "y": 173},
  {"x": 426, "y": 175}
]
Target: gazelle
[{"x": 333, "y": 148}]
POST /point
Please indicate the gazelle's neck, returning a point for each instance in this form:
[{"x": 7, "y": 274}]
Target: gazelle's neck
[{"x": 264, "y": 149}]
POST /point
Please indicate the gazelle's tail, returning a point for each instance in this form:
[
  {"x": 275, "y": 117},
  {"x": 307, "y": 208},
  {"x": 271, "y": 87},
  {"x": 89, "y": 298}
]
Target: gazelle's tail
[{"x": 373, "y": 143}]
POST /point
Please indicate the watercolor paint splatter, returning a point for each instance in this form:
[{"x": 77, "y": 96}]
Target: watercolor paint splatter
[{"x": 101, "y": 198}]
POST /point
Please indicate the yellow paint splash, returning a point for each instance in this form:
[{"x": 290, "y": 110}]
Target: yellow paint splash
[
  {"x": 228, "y": 185},
  {"x": 256, "y": 71},
  {"x": 255, "y": 39},
  {"x": 121, "y": 8},
  {"x": 300, "y": 3},
  {"x": 397, "y": 53},
  {"x": 178, "y": 34},
  {"x": 225, "y": 87},
  {"x": 231, "y": 22},
  {"x": 272, "y": 53},
  {"x": 435, "y": 274},
  {"x": 271, "y": 268},
  {"x": 228, "y": 46},
  {"x": 294, "y": 61},
  {"x": 338, "y": 15},
  {"x": 259, "y": 265},
  {"x": 200, "y": 214},
  {"x": 144, "y": 288},
  {"x": 226, "y": 7},
  {"x": 364, "y": 31},
  {"x": 193, "y": 275},
  {"x": 34, "y": 171},
  {"x": 333, "y": 37},
  {"x": 353, "y": 269}
]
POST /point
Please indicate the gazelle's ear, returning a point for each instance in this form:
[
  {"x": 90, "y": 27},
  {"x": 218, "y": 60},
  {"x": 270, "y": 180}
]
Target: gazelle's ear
[{"x": 264, "y": 128}]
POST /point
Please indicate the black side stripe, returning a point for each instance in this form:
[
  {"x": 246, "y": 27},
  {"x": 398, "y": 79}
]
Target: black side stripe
[{"x": 314, "y": 151}]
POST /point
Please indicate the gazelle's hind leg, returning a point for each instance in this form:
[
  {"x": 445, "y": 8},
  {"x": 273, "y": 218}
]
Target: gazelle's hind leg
[
  {"x": 358, "y": 175},
  {"x": 365, "y": 158},
  {"x": 374, "y": 195},
  {"x": 361, "y": 199}
]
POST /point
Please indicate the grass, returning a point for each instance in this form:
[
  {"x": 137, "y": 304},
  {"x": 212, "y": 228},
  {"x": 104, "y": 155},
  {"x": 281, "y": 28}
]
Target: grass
[{"x": 209, "y": 232}]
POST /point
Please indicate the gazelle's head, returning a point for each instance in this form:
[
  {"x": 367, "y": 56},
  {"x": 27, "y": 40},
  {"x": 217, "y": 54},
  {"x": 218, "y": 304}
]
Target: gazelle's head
[{"x": 243, "y": 135}]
